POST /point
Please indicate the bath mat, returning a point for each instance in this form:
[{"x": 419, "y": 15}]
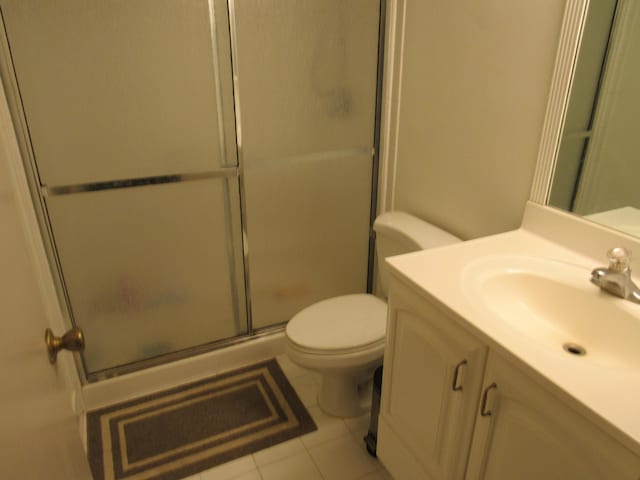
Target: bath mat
[{"x": 182, "y": 431}]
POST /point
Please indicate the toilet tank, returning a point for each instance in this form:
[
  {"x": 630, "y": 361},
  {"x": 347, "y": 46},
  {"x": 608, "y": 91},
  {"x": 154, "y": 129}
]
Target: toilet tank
[{"x": 399, "y": 232}]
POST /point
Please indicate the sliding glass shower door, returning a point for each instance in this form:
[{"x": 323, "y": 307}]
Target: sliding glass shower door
[
  {"x": 151, "y": 269},
  {"x": 202, "y": 169},
  {"x": 306, "y": 95},
  {"x": 129, "y": 111}
]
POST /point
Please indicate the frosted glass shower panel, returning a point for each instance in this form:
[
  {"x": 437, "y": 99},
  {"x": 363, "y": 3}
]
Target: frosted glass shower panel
[
  {"x": 308, "y": 232},
  {"x": 118, "y": 89},
  {"x": 307, "y": 74},
  {"x": 152, "y": 269}
]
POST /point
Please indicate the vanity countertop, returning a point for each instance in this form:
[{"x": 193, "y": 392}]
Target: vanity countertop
[
  {"x": 608, "y": 396},
  {"x": 626, "y": 219}
]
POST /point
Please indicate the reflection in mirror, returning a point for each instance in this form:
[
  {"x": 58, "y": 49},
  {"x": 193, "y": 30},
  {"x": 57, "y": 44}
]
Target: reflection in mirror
[{"x": 597, "y": 166}]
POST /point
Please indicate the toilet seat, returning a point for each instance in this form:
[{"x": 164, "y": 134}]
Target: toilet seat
[{"x": 339, "y": 325}]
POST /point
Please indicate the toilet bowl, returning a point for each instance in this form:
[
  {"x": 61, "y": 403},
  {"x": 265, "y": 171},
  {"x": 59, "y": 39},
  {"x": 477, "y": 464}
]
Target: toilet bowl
[{"x": 343, "y": 338}]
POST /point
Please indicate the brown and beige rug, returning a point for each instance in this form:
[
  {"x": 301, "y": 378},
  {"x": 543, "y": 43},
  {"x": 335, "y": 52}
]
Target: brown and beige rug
[{"x": 185, "y": 430}]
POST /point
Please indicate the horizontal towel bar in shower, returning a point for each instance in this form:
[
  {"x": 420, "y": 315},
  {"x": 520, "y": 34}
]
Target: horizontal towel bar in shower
[
  {"x": 265, "y": 163},
  {"x": 137, "y": 182}
]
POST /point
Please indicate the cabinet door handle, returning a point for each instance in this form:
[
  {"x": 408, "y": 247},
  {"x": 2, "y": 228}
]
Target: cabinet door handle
[
  {"x": 483, "y": 408},
  {"x": 455, "y": 387}
]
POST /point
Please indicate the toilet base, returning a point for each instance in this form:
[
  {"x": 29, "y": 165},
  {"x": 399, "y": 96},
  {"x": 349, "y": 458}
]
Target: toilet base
[
  {"x": 346, "y": 379},
  {"x": 344, "y": 395}
]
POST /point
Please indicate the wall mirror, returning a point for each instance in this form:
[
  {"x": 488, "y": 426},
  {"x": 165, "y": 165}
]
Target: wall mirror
[{"x": 590, "y": 153}]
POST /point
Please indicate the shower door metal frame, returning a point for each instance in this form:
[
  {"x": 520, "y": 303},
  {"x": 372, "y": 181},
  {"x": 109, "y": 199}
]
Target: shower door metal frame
[
  {"x": 39, "y": 192},
  {"x": 375, "y": 170},
  {"x": 375, "y": 152}
]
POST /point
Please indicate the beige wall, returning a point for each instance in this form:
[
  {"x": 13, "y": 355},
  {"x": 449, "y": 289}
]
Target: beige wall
[{"x": 474, "y": 81}]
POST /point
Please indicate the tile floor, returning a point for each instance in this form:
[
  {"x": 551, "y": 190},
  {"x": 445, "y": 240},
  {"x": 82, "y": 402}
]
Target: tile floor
[{"x": 333, "y": 452}]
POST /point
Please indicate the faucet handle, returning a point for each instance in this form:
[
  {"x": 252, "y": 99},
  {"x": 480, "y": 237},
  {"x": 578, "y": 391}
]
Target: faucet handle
[{"x": 619, "y": 259}]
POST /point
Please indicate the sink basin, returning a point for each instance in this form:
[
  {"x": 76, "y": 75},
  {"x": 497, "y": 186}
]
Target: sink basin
[{"x": 554, "y": 305}]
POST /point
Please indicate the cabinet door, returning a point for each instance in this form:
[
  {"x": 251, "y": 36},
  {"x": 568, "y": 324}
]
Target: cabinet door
[
  {"x": 432, "y": 377},
  {"x": 528, "y": 433}
]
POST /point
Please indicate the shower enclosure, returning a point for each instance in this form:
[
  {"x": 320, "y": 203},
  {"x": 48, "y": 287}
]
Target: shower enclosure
[{"x": 202, "y": 169}]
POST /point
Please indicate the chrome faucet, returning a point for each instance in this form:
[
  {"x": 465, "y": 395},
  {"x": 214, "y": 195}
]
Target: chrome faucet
[{"x": 616, "y": 279}]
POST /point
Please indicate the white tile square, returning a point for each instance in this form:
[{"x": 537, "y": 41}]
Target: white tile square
[
  {"x": 297, "y": 467},
  {"x": 329, "y": 428},
  {"x": 343, "y": 459},
  {"x": 230, "y": 470},
  {"x": 278, "y": 452},
  {"x": 254, "y": 475},
  {"x": 377, "y": 475},
  {"x": 359, "y": 426}
]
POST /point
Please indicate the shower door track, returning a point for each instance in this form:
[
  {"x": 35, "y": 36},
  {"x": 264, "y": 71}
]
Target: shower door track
[{"x": 184, "y": 354}]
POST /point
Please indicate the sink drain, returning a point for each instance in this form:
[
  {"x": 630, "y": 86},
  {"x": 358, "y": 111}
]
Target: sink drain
[{"x": 574, "y": 349}]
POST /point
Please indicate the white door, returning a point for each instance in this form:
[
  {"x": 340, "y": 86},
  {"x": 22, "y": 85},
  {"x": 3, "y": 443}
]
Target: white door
[{"x": 39, "y": 435}]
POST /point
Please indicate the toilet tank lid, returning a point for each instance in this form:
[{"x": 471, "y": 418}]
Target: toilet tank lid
[{"x": 423, "y": 233}]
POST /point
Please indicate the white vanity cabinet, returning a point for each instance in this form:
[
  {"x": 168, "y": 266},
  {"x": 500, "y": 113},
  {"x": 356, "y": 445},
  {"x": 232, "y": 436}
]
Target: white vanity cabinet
[
  {"x": 431, "y": 385},
  {"x": 444, "y": 416},
  {"x": 523, "y": 431}
]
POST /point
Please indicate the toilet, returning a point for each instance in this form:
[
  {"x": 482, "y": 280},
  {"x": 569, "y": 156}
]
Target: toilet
[{"x": 342, "y": 338}]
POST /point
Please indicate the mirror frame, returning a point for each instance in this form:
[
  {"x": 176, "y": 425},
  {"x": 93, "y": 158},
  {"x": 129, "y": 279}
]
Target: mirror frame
[{"x": 562, "y": 80}]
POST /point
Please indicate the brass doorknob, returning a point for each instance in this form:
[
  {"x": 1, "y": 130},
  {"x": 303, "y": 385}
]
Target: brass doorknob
[{"x": 72, "y": 340}]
